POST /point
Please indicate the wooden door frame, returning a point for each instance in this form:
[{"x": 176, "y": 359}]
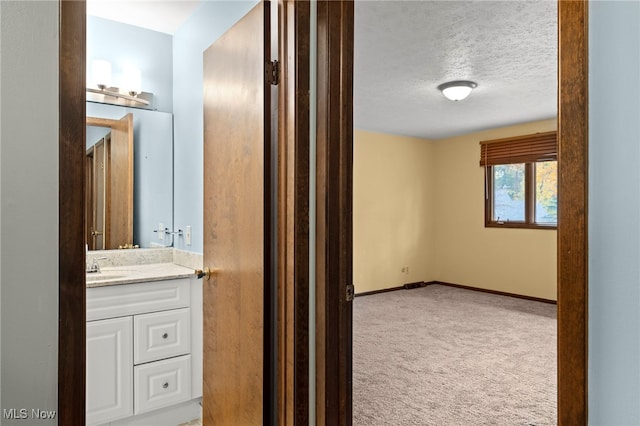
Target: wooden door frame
[
  {"x": 71, "y": 251},
  {"x": 334, "y": 201},
  {"x": 573, "y": 148},
  {"x": 293, "y": 213},
  {"x": 334, "y": 243},
  {"x": 334, "y": 395}
]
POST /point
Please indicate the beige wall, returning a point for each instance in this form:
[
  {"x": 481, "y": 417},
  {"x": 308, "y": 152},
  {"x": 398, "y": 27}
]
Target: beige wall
[
  {"x": 420, "y": 204},
  {"x": 392, "y": 210},
  {"x": 520, "y": 261}
]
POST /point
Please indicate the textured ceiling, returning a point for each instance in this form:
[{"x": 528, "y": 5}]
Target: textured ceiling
[{"x": 405, "y": 49}]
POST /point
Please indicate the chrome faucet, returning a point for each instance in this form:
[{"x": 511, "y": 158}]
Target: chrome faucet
[{"x": 95, "y": 266}]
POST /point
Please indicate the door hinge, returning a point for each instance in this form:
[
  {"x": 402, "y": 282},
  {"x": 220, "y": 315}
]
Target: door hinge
[
  {"x": 350, "y": 292},
  {"x": 272, "y": 72}
]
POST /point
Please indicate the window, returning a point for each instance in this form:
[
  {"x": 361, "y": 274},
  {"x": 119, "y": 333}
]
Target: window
[{"x": 521, "y": 181}]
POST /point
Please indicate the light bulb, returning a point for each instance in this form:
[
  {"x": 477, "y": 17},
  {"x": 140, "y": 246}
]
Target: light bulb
[
  {"x": 132, "y": 80},
  {"x": 101, "y": 73}
]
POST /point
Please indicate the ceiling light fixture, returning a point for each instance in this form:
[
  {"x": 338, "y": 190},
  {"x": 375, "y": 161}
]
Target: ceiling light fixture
[{"x": 457, "y": 90}]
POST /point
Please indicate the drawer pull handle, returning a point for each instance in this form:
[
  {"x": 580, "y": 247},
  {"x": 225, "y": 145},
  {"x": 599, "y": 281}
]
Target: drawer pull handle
[
  {"x": 165, "y": 335},
  {"x": 165, "y": 385}
]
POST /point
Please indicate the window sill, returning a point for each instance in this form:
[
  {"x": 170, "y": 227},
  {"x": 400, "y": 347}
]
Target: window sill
[{"x": 520, "y": 225}]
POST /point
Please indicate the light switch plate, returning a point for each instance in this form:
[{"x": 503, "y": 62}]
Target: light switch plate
[
  {"x": 187, "y": 235},
  {"x": 161, "y": 231}
]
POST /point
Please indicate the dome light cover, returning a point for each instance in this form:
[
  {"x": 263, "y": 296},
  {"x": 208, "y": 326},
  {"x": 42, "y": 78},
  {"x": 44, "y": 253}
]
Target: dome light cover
[{"x": 457, "y": 90}]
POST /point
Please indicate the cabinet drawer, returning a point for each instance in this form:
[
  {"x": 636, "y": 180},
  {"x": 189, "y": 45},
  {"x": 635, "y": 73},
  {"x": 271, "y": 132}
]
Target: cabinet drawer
[
  {"x": 130, "y": 299},
  {"x": 162, "y": 383},
  {"x": 161, "y": 335}
]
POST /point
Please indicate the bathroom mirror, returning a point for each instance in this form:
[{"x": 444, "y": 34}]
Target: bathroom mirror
[
  {"x": 109, "y": 184},
  {"x": 149, "y": 214}
]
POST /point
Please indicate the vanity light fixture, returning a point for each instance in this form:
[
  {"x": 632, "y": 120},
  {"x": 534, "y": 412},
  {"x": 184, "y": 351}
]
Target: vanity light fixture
[
  {"x": 101, "y": 73},
  {"x": 457, "y": 90}
]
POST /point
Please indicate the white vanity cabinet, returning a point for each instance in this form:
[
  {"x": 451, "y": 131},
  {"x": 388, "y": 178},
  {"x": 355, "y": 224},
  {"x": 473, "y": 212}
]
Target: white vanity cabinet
[
  {"x": 139, "y": 348},
  {"x": 109, "y": 370}
]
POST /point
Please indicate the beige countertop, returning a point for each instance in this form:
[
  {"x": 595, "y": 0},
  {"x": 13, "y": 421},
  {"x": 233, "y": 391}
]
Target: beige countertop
[{"x": 130, "y": 274}]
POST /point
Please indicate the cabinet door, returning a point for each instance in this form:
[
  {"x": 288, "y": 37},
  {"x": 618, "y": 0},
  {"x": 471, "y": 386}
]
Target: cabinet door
[{"x": 109, "y": 370}]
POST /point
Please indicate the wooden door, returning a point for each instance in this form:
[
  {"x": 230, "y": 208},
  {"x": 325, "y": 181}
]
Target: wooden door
[
  {"x": 110, "y": 215},
  {"x": 119, "y": 191},
  {"x": 88, "y": 199},
  {"x": 236, "y": 218},
  {"x": 97, "y": 186}
]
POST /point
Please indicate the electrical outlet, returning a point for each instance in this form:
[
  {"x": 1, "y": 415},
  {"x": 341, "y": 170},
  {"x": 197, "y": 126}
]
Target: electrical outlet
[
  {"x": 187, "y": 235},
  {"x": 161, "y": 231}
]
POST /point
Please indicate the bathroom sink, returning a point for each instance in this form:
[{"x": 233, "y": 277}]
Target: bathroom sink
[
  {"x": 107, "y": 275},
  {"x": 104, "y": 277}
]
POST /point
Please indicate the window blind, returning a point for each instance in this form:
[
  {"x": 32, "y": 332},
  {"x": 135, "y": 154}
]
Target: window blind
[{"x": 520, "y": 149}]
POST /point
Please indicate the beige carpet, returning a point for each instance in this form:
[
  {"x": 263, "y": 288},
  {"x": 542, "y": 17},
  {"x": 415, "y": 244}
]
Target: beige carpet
[{"x": 446, "y": 356}]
